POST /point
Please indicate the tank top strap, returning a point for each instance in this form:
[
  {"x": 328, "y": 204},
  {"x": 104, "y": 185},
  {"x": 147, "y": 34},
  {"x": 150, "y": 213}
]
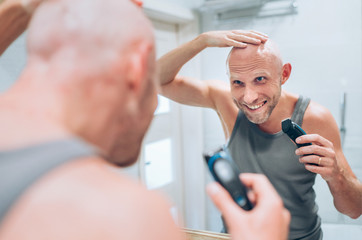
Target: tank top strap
[
  {"x": 299, "y": 109},
  {"x": 20, "y": 168}
]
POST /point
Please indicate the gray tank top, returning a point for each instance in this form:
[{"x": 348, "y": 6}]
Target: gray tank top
[
  {"x": 274, "y": 155},
  {"x": 20, "y": 168}
]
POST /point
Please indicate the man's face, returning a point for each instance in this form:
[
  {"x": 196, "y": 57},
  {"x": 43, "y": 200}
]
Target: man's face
[{"x": 255, "y": 84}]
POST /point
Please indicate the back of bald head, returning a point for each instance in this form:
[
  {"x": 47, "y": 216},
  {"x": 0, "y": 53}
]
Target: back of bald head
[
  {"x": 268, "y": 51},
  {"x": 92, "y": 31}
]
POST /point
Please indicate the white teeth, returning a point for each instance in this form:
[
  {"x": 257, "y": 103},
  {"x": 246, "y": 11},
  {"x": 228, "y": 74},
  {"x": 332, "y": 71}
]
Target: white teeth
[{"x": 255, "y": 106}]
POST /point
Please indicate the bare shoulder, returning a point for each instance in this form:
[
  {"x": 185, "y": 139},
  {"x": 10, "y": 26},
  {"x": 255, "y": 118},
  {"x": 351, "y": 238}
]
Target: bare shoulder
[
  {"x": 221, "y": 95},
  {"x": 86, "y": 199},
  {"x": 318, "y": 119},
  {"x": 316, "y": 116}
]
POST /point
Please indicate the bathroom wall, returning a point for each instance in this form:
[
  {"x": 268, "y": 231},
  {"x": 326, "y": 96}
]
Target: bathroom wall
[
  {"x": 323, "y": 44},
  {"x": 12, "y": 62}
]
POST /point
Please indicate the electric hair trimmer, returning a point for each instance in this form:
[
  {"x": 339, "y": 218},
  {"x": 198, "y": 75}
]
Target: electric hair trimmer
[
  {"x": 225, "y": 172},
  {"x": 293, "y": 131}
]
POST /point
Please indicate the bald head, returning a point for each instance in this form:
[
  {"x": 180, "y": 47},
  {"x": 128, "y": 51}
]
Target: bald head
[
  {"x": 253, "y": 55},
  {"x": 90, "y": 31},
  {"x": 93, "y": 63}
]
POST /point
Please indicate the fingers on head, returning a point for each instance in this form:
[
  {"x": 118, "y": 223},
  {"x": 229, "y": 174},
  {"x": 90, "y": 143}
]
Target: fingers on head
[
  {"x": 234, "y": 43},
  {"x": 245, "y": 38},
  {"x": 259, "y": 34},
  {"x": 252, "y": 34}
]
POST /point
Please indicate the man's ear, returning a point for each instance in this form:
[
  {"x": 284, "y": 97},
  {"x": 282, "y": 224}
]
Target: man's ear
[
  {"x": 137, "y": 66},
  {"x": 286, "y": 71}
]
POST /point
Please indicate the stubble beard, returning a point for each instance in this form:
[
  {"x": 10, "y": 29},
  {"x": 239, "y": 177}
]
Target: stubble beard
[{"x": 259, "y": 118}]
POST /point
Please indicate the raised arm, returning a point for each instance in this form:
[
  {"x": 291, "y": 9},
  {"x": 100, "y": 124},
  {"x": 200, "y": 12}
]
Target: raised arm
[
  {"x": 14, "y": 18},
  {"x": 332, "y": 164},
  {"x": 191, "y": 91}
]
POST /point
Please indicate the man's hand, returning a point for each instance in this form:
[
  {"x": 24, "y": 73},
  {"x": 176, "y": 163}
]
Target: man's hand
[
  {"x": 234, "y": 38},
  {"x": 268, "y": 220},
  {"x": 322, "y": 153}
]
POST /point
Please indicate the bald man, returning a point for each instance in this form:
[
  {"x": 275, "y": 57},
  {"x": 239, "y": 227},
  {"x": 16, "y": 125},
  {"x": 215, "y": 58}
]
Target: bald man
[
  {"x": 251, "y": 108},
  {"x": 83, "y": 103}
]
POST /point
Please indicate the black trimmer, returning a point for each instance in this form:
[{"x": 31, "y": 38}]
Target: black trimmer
[
  {"x": 225, "y": 172},
  {"x": 294, "y": 131}
]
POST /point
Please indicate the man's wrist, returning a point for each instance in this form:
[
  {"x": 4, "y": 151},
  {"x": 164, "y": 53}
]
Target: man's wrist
[
  {"x": 201, "y": 41},
  {"x": 29, "y": 5},
  {"x": 339, "y": 179},
  {"x": 18, "y": 7}
]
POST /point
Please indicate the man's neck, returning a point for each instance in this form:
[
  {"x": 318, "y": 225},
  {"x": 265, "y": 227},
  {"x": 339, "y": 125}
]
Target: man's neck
[{"x": 22, "y": 125}]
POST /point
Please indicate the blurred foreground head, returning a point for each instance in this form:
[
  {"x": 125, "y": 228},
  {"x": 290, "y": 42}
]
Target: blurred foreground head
[{"x": 92, "y": 62}]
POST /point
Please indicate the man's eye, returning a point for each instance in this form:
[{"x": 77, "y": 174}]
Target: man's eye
[
  {"x": 260, "y": 79},
  {"x": 238, "y": 82}
]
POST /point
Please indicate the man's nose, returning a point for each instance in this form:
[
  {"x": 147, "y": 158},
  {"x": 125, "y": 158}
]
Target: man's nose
[{"x": 250, "y": 95}]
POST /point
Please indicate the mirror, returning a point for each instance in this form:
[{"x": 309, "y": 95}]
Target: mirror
[
  {"x": 319, "y": 71},
  {"x": 327, "y": 71}
]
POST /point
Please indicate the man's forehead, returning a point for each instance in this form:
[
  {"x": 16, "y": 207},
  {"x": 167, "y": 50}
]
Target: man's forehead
[
  {"x": 253, "y": 73},
  {"x": 253, "y": 60},
  {"x": 244, "y": 54},
  {"x": 266, "y": 51},
  {"x": 251, "y": 64}
]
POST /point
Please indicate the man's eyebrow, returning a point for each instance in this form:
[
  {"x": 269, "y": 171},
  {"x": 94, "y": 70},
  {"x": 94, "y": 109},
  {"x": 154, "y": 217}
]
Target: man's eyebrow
[
  {"x": 234, "y": 76},
  {"x": 261, "y": 72},
  {"x": 256, "y": 73}
]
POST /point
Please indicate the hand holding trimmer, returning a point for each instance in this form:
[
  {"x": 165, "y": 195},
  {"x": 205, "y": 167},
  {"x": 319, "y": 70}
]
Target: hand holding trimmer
[
  {"x": 225, "y": 172},
  {"x": 294, "y": 131}
]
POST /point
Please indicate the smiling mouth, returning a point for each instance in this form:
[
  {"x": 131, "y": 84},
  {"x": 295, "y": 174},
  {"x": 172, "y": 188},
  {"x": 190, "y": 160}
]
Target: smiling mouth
[{"x": 255, "y": 106}]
